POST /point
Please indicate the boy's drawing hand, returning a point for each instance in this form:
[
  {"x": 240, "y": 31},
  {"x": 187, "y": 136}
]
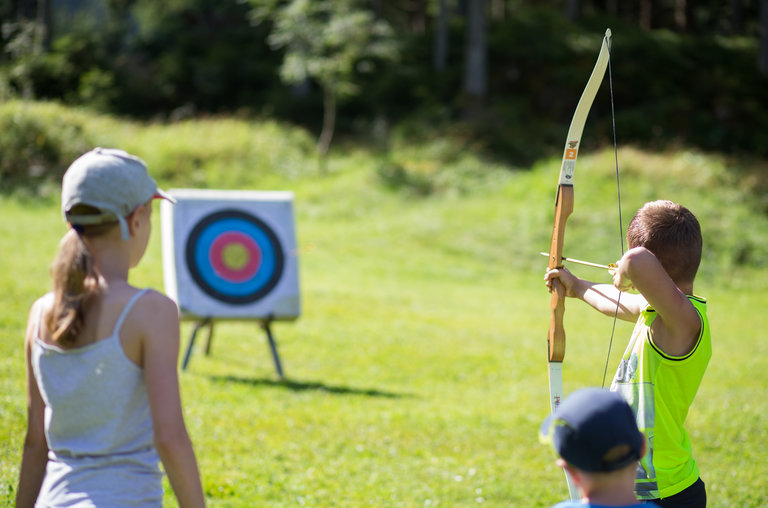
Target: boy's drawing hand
[{"x": 621, "y": 278}]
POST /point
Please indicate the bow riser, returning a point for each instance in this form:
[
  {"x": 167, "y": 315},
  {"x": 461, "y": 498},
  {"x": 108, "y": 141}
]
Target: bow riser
[{"x": 556, "y": 335}]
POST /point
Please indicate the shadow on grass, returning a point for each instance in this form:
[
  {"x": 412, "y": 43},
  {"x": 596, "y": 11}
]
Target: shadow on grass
[{"x": 301, "y": 386}]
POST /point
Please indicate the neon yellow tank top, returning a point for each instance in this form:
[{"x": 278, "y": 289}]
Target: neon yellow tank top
[{"x": 660, "y": 388}]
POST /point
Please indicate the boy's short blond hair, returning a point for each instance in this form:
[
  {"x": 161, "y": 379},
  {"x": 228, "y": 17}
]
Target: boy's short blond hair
[{"x": 672, "y": 233}]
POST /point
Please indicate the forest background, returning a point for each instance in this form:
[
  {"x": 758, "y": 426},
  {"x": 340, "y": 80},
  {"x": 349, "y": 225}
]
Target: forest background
[{"x": 503, "y": 75}]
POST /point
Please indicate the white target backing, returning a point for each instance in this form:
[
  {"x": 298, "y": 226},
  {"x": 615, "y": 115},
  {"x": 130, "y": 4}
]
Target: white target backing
[{"x": 231, "y": 254}]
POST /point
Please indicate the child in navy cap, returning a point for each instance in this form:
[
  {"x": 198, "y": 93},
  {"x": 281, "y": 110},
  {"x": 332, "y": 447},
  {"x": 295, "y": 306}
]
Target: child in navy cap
[{"x": 596, "y": 438}]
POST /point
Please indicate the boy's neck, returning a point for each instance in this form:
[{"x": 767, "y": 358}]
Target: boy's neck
[
  {"x": 685, "y": 287},
  {"x": 611, "y": 489},
  {"x": 614, "y": 500}
]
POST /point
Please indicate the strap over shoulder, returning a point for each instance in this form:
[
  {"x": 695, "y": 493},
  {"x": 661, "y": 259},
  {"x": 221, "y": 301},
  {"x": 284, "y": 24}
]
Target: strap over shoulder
[
  {"x": 127, "y": 309},
  {"x": 45, "y": 301}
]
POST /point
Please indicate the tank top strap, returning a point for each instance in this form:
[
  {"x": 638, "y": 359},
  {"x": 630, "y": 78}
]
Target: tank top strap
[
  {"x": 127, "y": 309},
  {"x": 43, "y": 302}
]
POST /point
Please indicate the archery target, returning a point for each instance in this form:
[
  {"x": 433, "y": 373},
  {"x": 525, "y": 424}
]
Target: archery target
[
  {"x": 229, "y": 254},
  {"x": 234, "y": 256}
]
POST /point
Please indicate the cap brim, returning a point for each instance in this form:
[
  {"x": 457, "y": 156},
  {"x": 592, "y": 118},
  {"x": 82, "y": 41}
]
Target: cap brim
[{"x": 161, "y": 194}]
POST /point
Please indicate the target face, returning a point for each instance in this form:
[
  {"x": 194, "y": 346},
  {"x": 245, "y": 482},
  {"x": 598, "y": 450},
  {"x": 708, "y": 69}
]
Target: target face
[
  {"x": 231, "y": 254},
  {"x": 234, "y": 257}
]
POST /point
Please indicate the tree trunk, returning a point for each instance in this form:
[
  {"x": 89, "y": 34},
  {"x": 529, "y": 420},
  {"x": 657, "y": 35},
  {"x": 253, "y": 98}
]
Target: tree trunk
[
  {"x": 461, "y": 7},
  {"x": 440, "y": 56},
  {"x": 764, "y": 37},
  {"x": 498, "y": 9},
  {"x": 681, "y": 15},
  {"x": 24, "y": 9},
  {"x": 376, "y": 8},
  {"x": 572, "y": 10},
  {"x": 44, "y": 24},
  {"x": 646, "y": 14},
  {"x": 418, "y": 16},
  {"x": 329, "y": 124},
  {"x": 475, "y": 79},
  {"x": 737, "y": 17}
]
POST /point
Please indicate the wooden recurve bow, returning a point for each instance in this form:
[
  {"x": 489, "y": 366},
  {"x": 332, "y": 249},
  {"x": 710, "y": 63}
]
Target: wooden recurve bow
[{"x": 563, "y": 209}]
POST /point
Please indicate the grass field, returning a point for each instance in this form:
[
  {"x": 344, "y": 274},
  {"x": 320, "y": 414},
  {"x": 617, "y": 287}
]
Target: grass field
[{"x": 416, "y": 375}]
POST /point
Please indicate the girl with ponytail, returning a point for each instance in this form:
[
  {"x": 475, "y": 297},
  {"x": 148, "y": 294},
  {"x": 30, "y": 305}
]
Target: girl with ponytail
[{"x": 103, "y": 402}]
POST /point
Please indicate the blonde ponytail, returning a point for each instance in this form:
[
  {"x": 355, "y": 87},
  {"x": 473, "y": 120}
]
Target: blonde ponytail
[{"x": 75, "y": 281}]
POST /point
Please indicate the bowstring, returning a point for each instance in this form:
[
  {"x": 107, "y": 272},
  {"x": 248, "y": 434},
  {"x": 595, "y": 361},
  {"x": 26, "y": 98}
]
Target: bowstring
[{"x": 618, "y": 193}]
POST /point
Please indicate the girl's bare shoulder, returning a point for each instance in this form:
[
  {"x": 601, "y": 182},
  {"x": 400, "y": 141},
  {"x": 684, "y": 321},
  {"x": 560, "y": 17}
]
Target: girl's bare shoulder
[{"x": 154, "y": 309}]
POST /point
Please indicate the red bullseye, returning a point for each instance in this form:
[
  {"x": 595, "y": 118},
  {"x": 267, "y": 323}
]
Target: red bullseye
[{"x": 235, "y": 271}]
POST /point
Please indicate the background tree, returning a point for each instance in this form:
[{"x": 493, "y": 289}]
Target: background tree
[
  {"x": 26, "y": 34},
  {"x": 440, "y": 55},
  {"x": 572, "y": 9},
  {"x": 328, "y": 42},
  {"x": 764, "y": 37},
  {"x": 737, "y": 17},
  {"x": 475, "y": 68}
]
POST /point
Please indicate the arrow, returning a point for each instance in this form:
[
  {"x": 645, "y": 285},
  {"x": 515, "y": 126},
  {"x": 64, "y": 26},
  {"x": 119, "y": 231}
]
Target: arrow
[{"x": 609, "y": 267}]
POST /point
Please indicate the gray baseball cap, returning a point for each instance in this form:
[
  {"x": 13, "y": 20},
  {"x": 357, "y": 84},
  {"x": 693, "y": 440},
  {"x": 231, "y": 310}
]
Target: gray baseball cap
[{"x": 110, "y": 180}]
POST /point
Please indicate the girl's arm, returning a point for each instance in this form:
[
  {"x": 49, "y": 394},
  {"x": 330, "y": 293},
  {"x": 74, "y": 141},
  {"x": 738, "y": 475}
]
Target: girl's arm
[
  {"x": 677, "y": 328},
  {"x": 602, "y": 297},
  {"x": 160, "y": 352},
  {"x": 35, "y": 455}
]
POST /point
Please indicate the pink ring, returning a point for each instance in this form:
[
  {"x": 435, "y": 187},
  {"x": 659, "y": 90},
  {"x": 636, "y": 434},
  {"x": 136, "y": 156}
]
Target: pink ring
[{"x": 217, "y": 261}]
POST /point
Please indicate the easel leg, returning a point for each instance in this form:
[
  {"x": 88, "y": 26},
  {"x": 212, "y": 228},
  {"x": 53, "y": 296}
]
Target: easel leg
[
  {"x": 273, "y": 347},
  {"x": 192, "y": 336},
  {"x": 210, "y": 338}
]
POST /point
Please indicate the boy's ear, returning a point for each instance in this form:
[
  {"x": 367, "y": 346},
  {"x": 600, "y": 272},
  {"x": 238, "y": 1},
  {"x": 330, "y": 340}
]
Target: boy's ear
[
  {"x": 561, "y": 462},
  {"x": 572, "y": 471}
]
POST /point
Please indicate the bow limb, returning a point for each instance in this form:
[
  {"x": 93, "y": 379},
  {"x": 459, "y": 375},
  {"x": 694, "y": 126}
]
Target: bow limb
[{"x": 564, "y": 204}]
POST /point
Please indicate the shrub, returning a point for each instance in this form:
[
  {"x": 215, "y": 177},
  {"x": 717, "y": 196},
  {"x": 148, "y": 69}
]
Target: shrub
[{"x": 37, "y": 145}]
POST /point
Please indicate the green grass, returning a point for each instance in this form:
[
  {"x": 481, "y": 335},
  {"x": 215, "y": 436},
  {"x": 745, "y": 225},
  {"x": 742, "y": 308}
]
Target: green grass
[{"x": 416, "y": 375}]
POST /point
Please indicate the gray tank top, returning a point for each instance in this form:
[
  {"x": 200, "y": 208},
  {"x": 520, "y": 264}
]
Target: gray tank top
[{"x": 97, "y": 423}]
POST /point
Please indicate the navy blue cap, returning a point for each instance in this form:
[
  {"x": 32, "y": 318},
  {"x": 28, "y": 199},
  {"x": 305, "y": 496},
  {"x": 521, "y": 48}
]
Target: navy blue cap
[{"x": 594, "y": 430}]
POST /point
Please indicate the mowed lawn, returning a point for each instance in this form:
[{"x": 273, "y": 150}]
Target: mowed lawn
[{"x": 416, "y": 374}]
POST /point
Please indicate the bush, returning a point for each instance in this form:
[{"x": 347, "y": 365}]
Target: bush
[{"x": 37, "y": 145}]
